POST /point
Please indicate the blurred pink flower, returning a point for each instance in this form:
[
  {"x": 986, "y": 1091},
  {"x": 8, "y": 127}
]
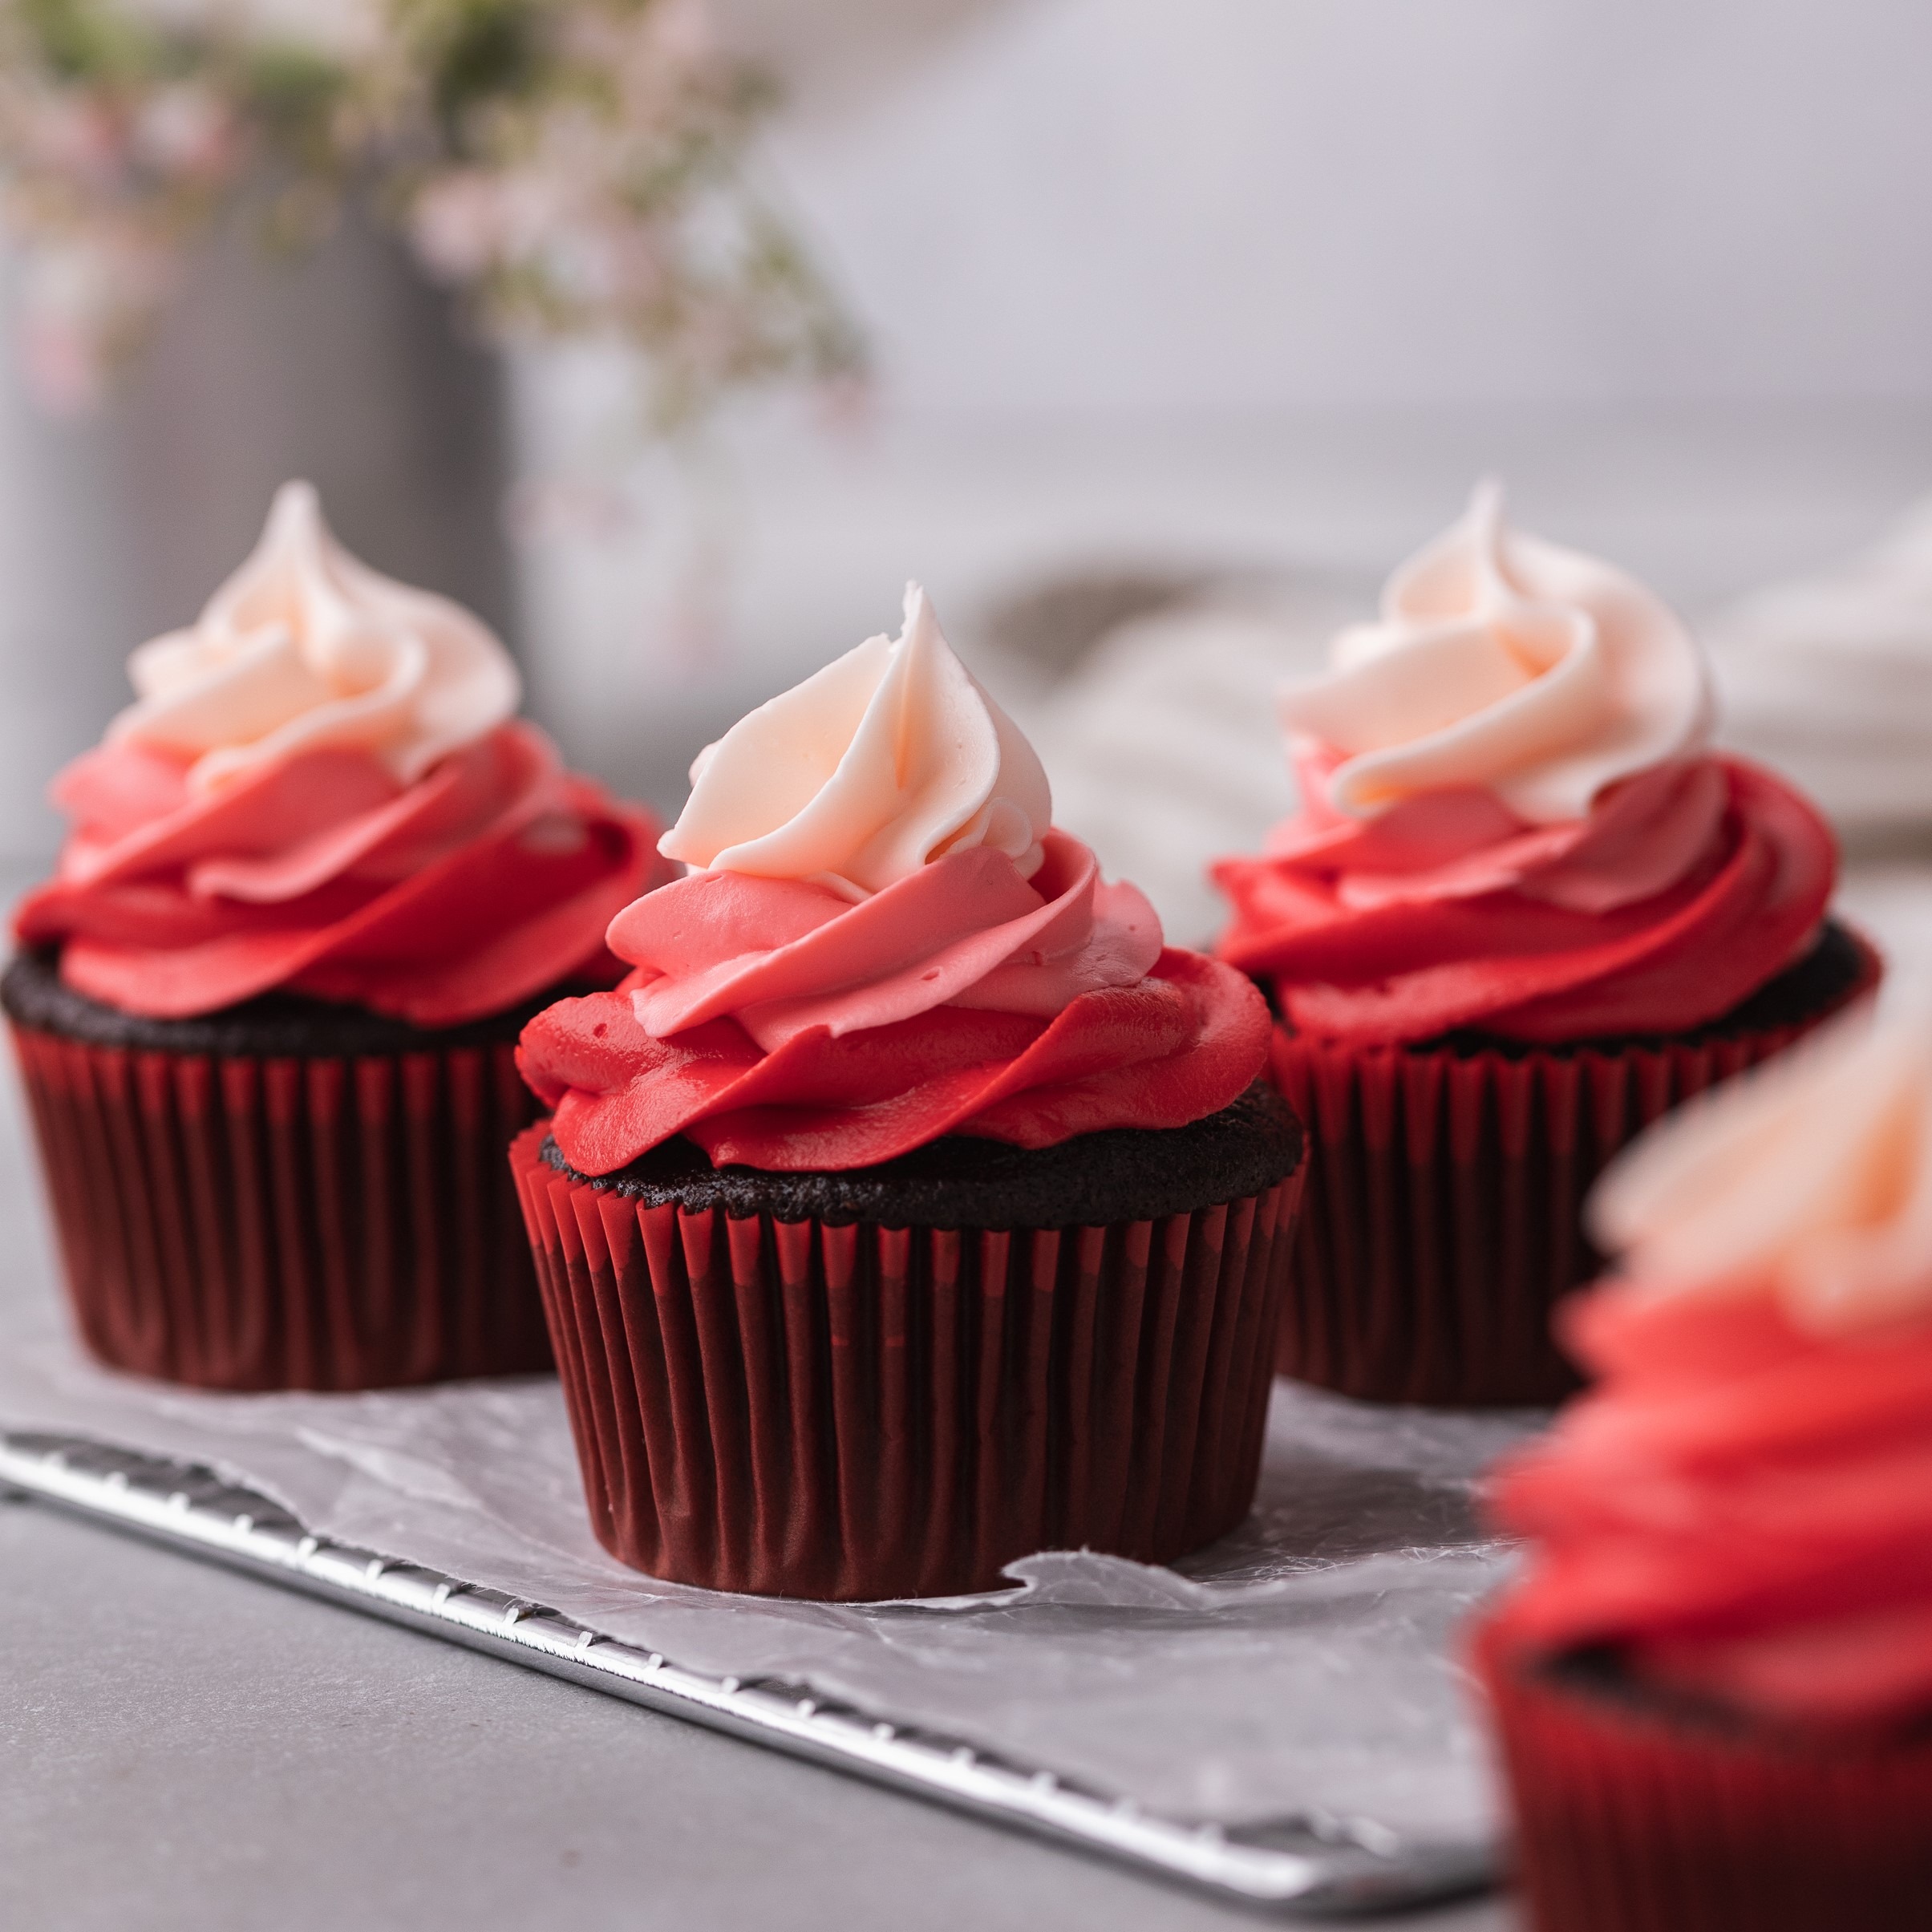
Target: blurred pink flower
[
  {"x": 187, "y": 131},
  {"x": 84, "y": 303},
  {"x": 69, "y": 133},
  {"x": 459, "y": 220},
  {"x": 601, "y": 191}
]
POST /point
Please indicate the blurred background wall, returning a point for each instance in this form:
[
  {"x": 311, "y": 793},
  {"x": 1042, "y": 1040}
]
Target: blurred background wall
[
  {"x": 1247, "y": 285},
  {"x": 1263, "y": 284},
  {"x": 1110, "y": 206}
]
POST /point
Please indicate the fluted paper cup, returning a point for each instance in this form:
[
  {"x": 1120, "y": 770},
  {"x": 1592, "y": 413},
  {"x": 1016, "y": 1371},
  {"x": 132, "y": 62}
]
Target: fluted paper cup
[
  {"x": 849, "y": 1411},
  {"x": 246, "y": 1223},
  {"x": 1443, "y": 1218},
  {"x": 1636, "y": 1812}
]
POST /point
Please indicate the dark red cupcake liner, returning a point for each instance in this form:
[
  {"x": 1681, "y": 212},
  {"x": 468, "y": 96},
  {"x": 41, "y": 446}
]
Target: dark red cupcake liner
[
  {"x": 1443, "y": 1219},
  {"x": 1634, "y": 1815},
  {"x": 850, "y": 1413},
  {"x": 269, "y": 1223}
]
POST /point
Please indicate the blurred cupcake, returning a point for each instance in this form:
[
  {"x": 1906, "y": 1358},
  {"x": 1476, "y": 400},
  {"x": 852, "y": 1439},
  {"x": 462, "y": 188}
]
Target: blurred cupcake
[
  {"x": 1523, "y": 912},
  {"x": 1713, "y": 1683},
  {"x": 910, "y": 1207},
  {"x": 318, "y": 879},
  {"x": 1829, "y": 677}
]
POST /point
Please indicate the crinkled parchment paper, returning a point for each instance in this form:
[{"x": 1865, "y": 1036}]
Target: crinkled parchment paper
[{"x": 1304, "y": 1664}]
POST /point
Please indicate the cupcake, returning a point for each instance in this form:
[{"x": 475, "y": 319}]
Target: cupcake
[
  {"x": 317, "y": 877},
  {"x": 1713, "y": 1683},
  {"x": 910, "y": 1206},
  {"x": 1523, "y": 911}
]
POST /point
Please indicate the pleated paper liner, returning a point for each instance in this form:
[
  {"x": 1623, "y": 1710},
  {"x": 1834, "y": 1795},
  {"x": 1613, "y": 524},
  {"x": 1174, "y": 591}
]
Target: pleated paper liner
[
  {"x": 1444, "y": 1216},
  {"x": 851, "y": 1412},
  {"x": 1634, "y": 1815},
  {"x": 282, "y": 1223}
]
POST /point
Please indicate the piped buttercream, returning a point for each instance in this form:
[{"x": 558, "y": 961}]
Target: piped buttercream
[
  {"x": 305, "y": 649},
  {"x": 885, "y": 942},
  {"x": 1509, "y": 819},
  {"x": 1742, "y": 1506}
]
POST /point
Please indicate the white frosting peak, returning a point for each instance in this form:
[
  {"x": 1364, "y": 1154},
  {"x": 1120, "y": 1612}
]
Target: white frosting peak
[
  {"x": 305, "y": 648},
  {"x": 1812, "y": 1178},
  {"x": 891, "y": 756},
  {"x": 1503, "y": 661}
]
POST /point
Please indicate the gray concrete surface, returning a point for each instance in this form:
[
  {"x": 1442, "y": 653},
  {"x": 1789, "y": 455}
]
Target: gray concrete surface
[{"x": 182, "y": 1750}]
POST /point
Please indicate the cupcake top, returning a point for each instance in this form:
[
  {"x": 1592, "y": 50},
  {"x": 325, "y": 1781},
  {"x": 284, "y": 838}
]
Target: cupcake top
[
  {"x": 321, "y": 789},
  {"x": 1743, "y": 1505},
  {"x": 882, "y": 940},
  {"x": 1512, "y": 819}
]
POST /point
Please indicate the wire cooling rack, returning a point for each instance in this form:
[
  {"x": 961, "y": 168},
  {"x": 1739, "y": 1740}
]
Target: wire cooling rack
[{"x": 1297, "y": 1866}]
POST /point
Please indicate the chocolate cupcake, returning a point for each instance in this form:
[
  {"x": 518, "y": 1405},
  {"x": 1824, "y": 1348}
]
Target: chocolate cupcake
[
  {"x": 1523, "y": 913},
  {"x": 1713, "y": 1684},
  {"x": 318, "y": 879},
  {"x": 911, "y": 1206}
]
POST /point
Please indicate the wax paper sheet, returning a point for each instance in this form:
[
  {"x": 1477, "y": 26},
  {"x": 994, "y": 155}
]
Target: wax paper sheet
[{"x": 1305, "y": 1664}]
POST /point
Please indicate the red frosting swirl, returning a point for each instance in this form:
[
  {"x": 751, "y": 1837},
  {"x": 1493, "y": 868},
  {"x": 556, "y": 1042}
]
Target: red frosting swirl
[
  {"x": 1744, "y": 1507},
  {"x": 487, "y": 879},
  {"x": 781, "y": 1025},
  {"x": 1686, "y": 888}
]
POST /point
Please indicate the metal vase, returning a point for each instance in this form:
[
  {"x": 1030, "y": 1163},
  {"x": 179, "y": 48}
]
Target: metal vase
[{"x": 343, "y": 365}]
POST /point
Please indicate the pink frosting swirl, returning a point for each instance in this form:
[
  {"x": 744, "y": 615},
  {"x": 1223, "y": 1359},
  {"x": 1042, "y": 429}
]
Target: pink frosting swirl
[
  {"x": 1510, "y": 819},
  {"x": 780, "y": 1026},
  {"x": 1687, "y": 889},
  {"x": 889, "y": 944},
  {"x": 318, "y": 791},
  {"x": 484, "y": 882},
  {"x": 1744, "y": 1504}
]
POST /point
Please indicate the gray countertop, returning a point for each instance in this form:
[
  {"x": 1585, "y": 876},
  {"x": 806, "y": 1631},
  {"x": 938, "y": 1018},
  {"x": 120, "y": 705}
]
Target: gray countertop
[{"x": 181, "y": 1747}]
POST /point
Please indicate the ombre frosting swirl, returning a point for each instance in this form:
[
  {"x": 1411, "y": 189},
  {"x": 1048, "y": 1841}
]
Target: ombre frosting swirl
[
  {"x": 883, "y": 941},
  {"x": 322, "y": 790},
  {"x": 304, "y": 649},
  {"x": 890, "y": 757},
  {"x": 1510, "y": 821},
  {"x": 1743, "y": 1505}
]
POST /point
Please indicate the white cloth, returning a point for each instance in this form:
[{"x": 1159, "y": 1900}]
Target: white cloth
[{"x": 1828, "y": 678}]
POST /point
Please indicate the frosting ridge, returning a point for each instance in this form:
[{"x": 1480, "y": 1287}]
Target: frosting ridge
[
  {"x": 1501, "y": 660},
  {"x": 489, "y": 879},
  {"x": 890, "y": 756},
  {"x": 305, "y": 648}
]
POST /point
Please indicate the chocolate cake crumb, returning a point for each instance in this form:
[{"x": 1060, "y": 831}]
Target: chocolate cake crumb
[
  {"x": 1123, "y": 1174},
  {"x": 274, "y": 1026}
]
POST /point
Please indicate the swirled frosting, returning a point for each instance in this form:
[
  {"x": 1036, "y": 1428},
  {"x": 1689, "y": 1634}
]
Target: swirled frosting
[
  {"x": 304, "y": 649},
  {"x": 1744, "y": 1504},
  {"x": 889, "y": 758},
  {"x": 1739, "y": 1195},
  {"x": 885, "y": 942},
  {"x": 317, "y": 793},
  {"x": 1503, "y": 663},
  {"x": 1509, "y": 819}
]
